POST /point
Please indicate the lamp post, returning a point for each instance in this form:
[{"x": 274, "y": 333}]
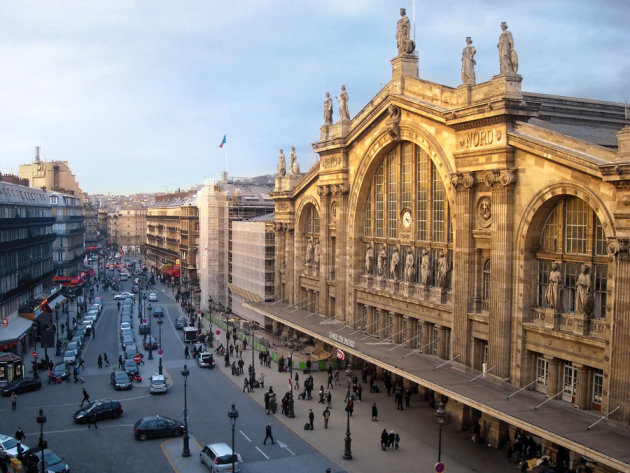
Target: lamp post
[
  {"x": 150, "y": 308},
  {"x": 159, "y": 322},
  {"x": 347, "y": 452},
  {"x": 252, "y": 377},
  {"x": 233, "y": 415},
  {"x": 440, "y": 413},
  {"x": 186, "y": 451},
  {"x": 41, "y": 420}
]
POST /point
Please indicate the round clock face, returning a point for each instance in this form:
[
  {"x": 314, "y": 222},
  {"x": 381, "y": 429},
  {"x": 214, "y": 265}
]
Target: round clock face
[{"x": 406, "y": 218}]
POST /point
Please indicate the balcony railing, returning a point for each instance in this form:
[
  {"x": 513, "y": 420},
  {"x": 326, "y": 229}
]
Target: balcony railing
[{"x": 578, "y": 324}]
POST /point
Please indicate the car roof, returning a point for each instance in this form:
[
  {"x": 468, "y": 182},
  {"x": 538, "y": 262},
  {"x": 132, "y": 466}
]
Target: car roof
[
  {"x": 157, "y": 376},
  {"x": 220, "y": 448}
]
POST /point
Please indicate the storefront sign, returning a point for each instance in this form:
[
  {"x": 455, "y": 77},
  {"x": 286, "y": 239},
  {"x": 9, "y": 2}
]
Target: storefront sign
[{"x": 341, "y": 339}]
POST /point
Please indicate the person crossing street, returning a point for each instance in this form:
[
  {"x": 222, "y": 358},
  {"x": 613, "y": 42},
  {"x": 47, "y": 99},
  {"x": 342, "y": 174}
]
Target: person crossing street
[{"x": 268, "y": 435}]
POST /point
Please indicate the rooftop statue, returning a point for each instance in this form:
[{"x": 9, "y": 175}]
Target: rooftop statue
[
  {"x": 294, "y": 167},
  {"x": 344, "y": 113},
  {"x": 468, "y": 63},
  {"x": 282, "y": 165},
  {"x": 508, "y": 60},
  {"x": 403, "y": 35},
  {"x": 328, "y": 110}
]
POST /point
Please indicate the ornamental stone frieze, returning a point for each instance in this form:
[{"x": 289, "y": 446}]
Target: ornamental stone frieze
[
  {"x": 282, "y": 227},
  {"x": 333, "y": 189},
  {"x": 462, "y": 181},
  {"x": 618, "y": 247},
  {"x": 393, "y": 122},
  {"x": 323, "y": 191},
  {"x": 500, "y": 177}
]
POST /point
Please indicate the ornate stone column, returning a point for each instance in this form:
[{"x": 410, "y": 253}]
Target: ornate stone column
[
  {"x": 396, "y": 327},
  {"x": 554, "y": 382},
  {"x": 412, "y": 332},
  {"x": 427, "y": 334},
  {"x": 617, "y": 353},
  {"x": 338, "y": 216},
  {"x": 280, "y": 257},
  {"x": 369, "y": 321},
  {"x": 501, "y": 256},
  {"x": 325, "y": 247},
  {"x": 383, "y": 323},
  {"x": 442, "y": 351},
  {"x": 463, "y": 263},
  {"x": 583, "y": 388}
]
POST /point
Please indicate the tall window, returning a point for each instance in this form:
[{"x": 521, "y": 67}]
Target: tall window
[
  {"x": 598, "y": 388},
  {"x": 542, "y": 373},
  {"x": 573, "y": 235},
  {"x": 569, "y": 381},
  {"x": 485, "y": 286},
  {"x": 407, "y": 180}
]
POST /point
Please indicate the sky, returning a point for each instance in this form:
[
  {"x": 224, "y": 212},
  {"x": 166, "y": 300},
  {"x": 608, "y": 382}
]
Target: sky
[{"x": 137, "y": 95}]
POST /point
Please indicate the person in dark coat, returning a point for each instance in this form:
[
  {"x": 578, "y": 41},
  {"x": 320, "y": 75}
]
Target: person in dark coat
[
  {"x": 391, "y": 439},
  {"x": 92, "y": 420},
  {"x": 374, "y": 412},
  {"x": 86, "y": 397},
  {"x": 384, "y": 439},
  {"x": 268, "y": 435},
  {"x": 311, "y": 417}
]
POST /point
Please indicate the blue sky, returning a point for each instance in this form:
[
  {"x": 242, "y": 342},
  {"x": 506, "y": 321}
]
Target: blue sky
[{"x": 137, "y": 95}]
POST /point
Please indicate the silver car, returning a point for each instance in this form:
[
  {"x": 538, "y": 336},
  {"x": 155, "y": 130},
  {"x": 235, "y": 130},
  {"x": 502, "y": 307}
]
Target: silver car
[
  {"x": 158, "y": 384},
  {"x": 218, "y": 457}
]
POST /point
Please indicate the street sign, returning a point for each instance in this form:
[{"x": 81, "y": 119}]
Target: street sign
[
  {"x": 34, "y": 354},
  {"x": 218, "y": 332},
  {"x": 144, "y": 321},
  {"x": 439, "y": 467},
  {"x": 5, "y": 322},
  {"x": 137, "y": 358},
  {"x": 160, "y": 352},
  {"x": 340, "y": 354}
]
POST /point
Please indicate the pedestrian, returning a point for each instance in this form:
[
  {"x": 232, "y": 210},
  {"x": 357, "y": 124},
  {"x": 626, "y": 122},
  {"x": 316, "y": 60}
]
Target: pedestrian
[
  {"x": 359, "y": 392},
  {"x": 261, "y": 380},
  {"x": 350, "y": 406},
  {"x": 396, "y": 441},
  {"x": 86, "y": 397},
  {"x": 391, "y": 438},
  {"x": 384, "y": 439},
  {"x": 75, "y": 374},
  {"x": 374, "y": 413},
  {"x": 51, "y": 378},
  {"x": 100, "y": 361},
  {"x": 407, "y": 396},
  {"x": 311, "y": 418},
  {"x": 244, "y": 344},
  {"x": 336, "y": 377},
  {"x": 330, "y": 381},
  {"x": 268, "y": 435},
  {"x": 19, "y": 435},
  {"x": 186, "y": 352},
  {"x": 328, "y": 399},
  {"x": 326, "y": 415},
  {"x": 322, "y": 395},
  {"x": 105, "y": 359},
  {"x": 13, "y": 401},
  {"x": 296, "y": 385},
  {"x": 121, "y": 362},
  {"x": 245, "y": 384},
  {"x": 81, "y": 363},
  {"x": 92, "y": 420},
  {"x": 3, "y": 463},
  {"x": 93, "y": 334}
]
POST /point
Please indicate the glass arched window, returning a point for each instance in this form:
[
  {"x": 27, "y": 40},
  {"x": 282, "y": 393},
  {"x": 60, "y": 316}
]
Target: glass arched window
[
  {"x": 407, "y": 200},
  {"x": 485, "y": 285},
  {"x": 573, "y": 235}
]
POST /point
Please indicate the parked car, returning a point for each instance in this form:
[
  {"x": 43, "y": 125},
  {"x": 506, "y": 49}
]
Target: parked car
[
  {"x": 120, "y": 380},
  {"x": 21, "y": 385},
  {"x": 131, "y": 367},
  {"x": 103, "y": 409},
  {"x": 61, "y": 371},
  {"x": 74, "y": 346},
  {"x": 143, "y": 329},
  {"x": 127, "y": 333},
  {"x": 153, "y": 297},
  {"x": 157, "y": 426},
  {"x": 150, "y": 343},
  {"x": 205, "y": 360},
  {"x": 125, "y": 326},
  {"x": 127, "y": 341},
  {"x": 131, "y": 351},
  {"x": 52, "y": 462},
  {"x": 218, "y": 457},
  {"x": 8, "y": 445},
  {"x": 158, "y": 384},
  {"x": 70, "y": 357},
  {"x": 180, "y": 322}
]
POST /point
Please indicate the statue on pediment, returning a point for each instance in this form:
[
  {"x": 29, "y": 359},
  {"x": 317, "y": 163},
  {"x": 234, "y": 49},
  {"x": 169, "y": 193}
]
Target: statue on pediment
[
  {"x": 282, "y": 165},
  {"x": 403, "y": 34},
  {"x": 328, "y": 110},
  {"x": 344, "y": 112},
  {"x": 468, "y": 63},
  {"x": 508, "y": 59}
]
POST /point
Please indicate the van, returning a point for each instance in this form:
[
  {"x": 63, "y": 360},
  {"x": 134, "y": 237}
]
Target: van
[{"x": 190, "y": 335}]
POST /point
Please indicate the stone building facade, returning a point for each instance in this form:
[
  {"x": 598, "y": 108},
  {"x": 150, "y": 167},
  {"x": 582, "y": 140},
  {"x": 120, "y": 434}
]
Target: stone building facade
[
  {"x": 51, "y": 175},
  {"x": 69, "y": 247},
  {"x": 482, "y": 231},
  {"x": 127, "y": 226}
]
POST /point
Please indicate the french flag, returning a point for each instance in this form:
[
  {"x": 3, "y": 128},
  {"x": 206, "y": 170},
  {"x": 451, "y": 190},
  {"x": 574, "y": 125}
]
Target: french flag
[{"x": 223, "y": 141}]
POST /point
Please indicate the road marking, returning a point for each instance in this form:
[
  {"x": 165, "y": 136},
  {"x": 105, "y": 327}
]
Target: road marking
[
  {"x": 285, "y": 446},
  {"x": 261, "y": 452},
  {"x": 243, "y": 434}
]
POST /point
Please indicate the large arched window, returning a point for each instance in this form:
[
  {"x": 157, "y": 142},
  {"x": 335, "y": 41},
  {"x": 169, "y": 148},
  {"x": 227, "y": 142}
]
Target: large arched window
[
  {"x": 407, "y": 202},
  {"x": 573, "y": 235}
]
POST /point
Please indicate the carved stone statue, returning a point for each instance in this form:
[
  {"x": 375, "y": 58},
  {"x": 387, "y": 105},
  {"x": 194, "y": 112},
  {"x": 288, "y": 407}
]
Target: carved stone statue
[
  {"x": 584, "y": 294},
  {"x": 508, "y": 59},
  {"x": 369, "y": 260},
  {"x": 410, "y": 266},
  {"x": 381, "y": 262},
  {"x": 393, "y": 265},
  {"x": 554, "y": 289},
  {"x": 282, "y": 165},
  {"x": 316, "y": 253},
  {"x": 393, "y": 121},
  {"x": 344, "y": 112},
  {"x": 309, "y": 251},
  {"x": 328, "y": 110},
  {"x": 468, "y": 63},
  {"x": 294, "y": 167},
  {"x": 403, "y": 34},
  {"x": 425, "y": 268},
  {"x": 443, "y": 271}
]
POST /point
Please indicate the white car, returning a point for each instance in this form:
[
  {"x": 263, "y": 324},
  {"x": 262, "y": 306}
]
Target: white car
[
  {"x": 70, "y": 357},
  {"x": 123, "y": 295},
  {"x": 9, "y": 445},
  {"x": 153, "y": 297},
  {"x": 125, "y": 326}
]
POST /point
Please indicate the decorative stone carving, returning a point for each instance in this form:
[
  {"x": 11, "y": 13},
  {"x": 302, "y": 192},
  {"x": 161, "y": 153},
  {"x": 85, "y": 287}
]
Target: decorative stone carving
[
  {"x": 393, "y": 265},
  {"x": 425, "y": 268},
  {"x": 340, "y": 189},
  {"x": 294, "y": 167},
  {"x": 584, "y": 295},
  {"x": 282, "y": 165},
  {"x": 344, "y": 112},
  {"x": 468, "y": 63},
  {"x": 617, "y": 246},
  {"x": 308, "y": 257},
  {"x": 403, "y": 35},
  {"x": 331, "y": 162},
  {"x": 554, "y": 289},
  {"x": 323, "y": 191},
  {"x": 328, "y": 110},
  {"x": 501, "y": 177},
  {"x": 462, "y": 181},
  {"x": 316, "y": 254},
  {"x": 410, "y": 266},
  {"x": 393, "y": 122},
  {"x": 508, "y": 59},
  {"x": 369, "y": 259},
  {"x": 381, "y": 262},
  {"x": 484, "y": 214},
  {"x": 444, "y": 272}
]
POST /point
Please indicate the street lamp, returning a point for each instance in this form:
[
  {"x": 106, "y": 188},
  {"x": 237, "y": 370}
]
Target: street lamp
[
  {"x": 440, "y": 413},
  {"x": 233, "y": 415},
  {"x": 186, "y": 451},
  {"x": 41, "y": 420},
  {"x": 347, "y": 452},
  {"x": 159, "y": 322},
  {"x": 252, "y": 376},
  {"x": 150, "y": 308}
]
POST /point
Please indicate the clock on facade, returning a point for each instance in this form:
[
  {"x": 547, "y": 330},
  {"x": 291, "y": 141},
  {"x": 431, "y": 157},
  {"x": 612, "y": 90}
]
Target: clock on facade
[{"x": 406, "y": 218}]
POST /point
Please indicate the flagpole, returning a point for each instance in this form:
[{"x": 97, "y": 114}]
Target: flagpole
[
  {"x": 414, "y": 21},
  {"x": 226, "y": 161}
]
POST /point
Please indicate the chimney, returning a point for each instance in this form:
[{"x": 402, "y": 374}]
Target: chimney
[
  {"x": 37, "y": 160},
  {"x": 623, "y": 144}
]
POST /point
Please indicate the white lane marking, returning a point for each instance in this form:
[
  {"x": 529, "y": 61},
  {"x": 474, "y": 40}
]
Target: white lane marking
[
  {"x": 243, "y": 434},
  {"x": 261, "y": 452},
  {"x": 285, "y": 446}
]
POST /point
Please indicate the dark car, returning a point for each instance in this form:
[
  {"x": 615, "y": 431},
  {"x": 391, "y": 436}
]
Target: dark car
[
  {"x": 120, "y": 380},
  {"x": 158, "y": 311},
  {"x": 21, "y": 385},
  {"x": 180, "y": 322},
  {"x": 61, "y": 371},
  {"x": 150, "y": 342},
  {"x": 52, "y": 462},
  {"x": 131, "y": 367},
  {"x": 157, "y": 426},
  {"x": 144, "y": 329},
  {"x": 103, "y": 409}
]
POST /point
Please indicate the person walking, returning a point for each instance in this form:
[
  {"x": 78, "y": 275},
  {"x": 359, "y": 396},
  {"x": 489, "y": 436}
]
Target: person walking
[
  {"x": 19, "y": 435},
  {"x": 396, "y": 441},
  {"x": 311, "y": 418},
  {"x": 100, "y": 361},
  {"x": 330, "y": 381},
  {"x": 92, "y": 420},
  {"x": 186, "y": 352},
  {"x": 246, "y": 384},
  {"x": 51, "y": 378},
  {"x": 322, "y": 395},
  {"x": 81, "y": 363},
  {"x": 326, "y": 415},
  {"x": 86, "y": 397},
  {"x": 329, "y": 399},
  {"x": 13, "y": 401},
  {"x": 261, "y": 380},
  {"x": 105, "y": 359},
  {"x": 296, "y": 385},
  {"x": 268, "y": 435},
  {"x": 384, "y": 439},
  {"x": 374, "y": 413}
]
